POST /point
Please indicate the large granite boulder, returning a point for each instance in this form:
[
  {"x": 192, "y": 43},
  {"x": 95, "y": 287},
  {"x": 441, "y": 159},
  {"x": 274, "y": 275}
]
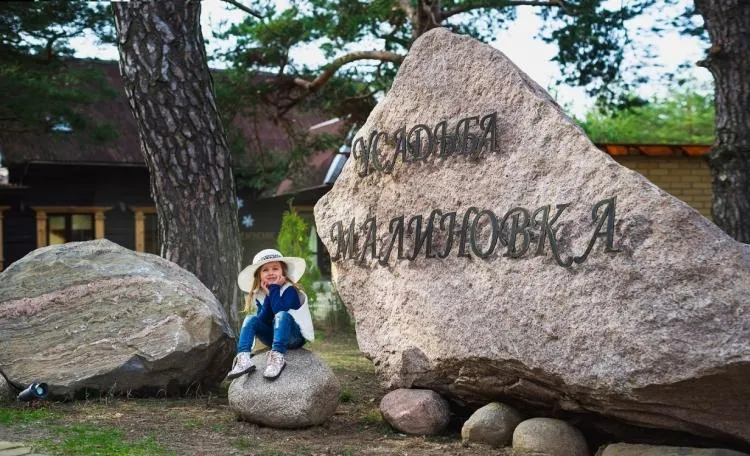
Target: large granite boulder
[
  {"x": 94, "y": 316},
  {"x": 625, "y": 449},
  {"x": 489, "y": 251},
  {"x": 305, "y": 394}
]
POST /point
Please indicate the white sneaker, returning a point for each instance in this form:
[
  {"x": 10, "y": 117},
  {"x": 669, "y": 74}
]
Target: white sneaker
[
  {"x": 274, "y": 364},
  {"x": 243, "y": 364}
]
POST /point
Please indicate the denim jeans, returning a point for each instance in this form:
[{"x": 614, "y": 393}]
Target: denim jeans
[{"x": 284, "y": 334}]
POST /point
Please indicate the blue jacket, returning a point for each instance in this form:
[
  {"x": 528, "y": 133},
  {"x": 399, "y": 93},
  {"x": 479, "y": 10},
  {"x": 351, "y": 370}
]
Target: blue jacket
[{"x": 277, "y": 302}]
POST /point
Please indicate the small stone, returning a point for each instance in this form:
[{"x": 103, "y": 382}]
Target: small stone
[
  {"x": 415, "y": 411},
  {"x": 549, "y": 437},
  {"x": 492, "y": 424}
]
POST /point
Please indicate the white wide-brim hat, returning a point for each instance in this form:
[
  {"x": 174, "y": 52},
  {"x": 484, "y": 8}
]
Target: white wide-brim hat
[{"x": 295, "y": 267}]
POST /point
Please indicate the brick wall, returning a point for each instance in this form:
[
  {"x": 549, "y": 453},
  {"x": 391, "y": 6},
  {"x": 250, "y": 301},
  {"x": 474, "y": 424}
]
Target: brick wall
[{"x": 687, "y": 178}]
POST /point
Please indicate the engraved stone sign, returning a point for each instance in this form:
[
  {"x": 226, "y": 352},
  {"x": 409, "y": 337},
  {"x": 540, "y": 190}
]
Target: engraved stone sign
[{"x": 489, "y": 251}]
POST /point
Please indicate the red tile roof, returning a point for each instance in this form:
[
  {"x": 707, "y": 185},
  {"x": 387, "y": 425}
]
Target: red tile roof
[
  {"x": 656, "y": 150},
  {"x": 263, "y": 132}
]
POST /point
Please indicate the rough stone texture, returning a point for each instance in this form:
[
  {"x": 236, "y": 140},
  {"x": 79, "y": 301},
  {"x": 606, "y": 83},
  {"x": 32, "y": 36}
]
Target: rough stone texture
[
  {"x": 549, "y": 437},
  {"x": 96, "y": 317},
  {"x": 624, "y": 449},
  {"x": 415, "y": 411},
  {"x": 305, "y": 394},
  {"x": 492, "y": 424},
  {"x": 654, "y": 335},
  {"x": 6, "y": 392}
]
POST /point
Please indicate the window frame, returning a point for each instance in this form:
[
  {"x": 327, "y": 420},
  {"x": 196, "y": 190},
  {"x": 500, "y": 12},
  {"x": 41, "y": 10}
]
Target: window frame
[
  {"x": 140, "y": 213},
  {"x": 42, "y": 236}
]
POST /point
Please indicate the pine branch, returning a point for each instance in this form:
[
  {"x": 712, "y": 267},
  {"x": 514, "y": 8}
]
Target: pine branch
[
  {"x": 501, "y": 4},
  {"x": 334, "y": 66},
  {"x": 244, "y": 8}
]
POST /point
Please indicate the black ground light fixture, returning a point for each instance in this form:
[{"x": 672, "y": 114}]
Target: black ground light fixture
[{"x": 35, "y": 391}]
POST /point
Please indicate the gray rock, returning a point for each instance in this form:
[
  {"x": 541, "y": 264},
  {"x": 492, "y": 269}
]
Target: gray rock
[
  {"x": 650, "y": 329},
  {"x": 625, "y": 449},
  {"x": 548, "y": 437},
  {"x": 415, "y": 411},
  {"x": 92, "y": 317},
  {"x": 492, "y": 424},
  {"x": 6, "y": 392},
  {"x": 305, "y": 394}
]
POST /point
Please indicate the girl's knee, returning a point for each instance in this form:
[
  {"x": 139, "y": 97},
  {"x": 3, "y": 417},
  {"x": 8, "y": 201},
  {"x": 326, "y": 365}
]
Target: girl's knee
[
  {"x": 251, "y": 322},
  {"x": 283, "y": 315}
]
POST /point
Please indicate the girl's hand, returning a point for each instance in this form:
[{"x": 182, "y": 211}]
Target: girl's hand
[
  {"x": 264, "y": 286},
  {"x": 281, "y": 280}
]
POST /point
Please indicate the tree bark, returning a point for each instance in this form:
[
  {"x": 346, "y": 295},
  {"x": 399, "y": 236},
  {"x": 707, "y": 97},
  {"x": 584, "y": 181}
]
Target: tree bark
[
  {"x": 728, "y": 60},
  {"x": 167, "y": 81}
]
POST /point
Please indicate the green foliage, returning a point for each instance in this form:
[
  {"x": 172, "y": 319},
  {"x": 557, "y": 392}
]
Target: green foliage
[
  {"x": 256, "y": 102},
  {"x": 90, "y": 441},
  {"x": 591, "y": 35},
  {"x": 685, "y": 117},
  {"x": 294, "y": 240},
  {"x": 44, "y": 90}
]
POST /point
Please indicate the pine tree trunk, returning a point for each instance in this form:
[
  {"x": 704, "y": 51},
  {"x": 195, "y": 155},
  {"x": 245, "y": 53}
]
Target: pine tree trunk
[
  {"x": 165, "y": 72},
  {"x": 728, "y": 59}
]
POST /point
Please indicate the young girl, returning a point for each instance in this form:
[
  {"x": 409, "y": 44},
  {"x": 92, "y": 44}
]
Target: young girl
[{"x": 283, "y": 318}]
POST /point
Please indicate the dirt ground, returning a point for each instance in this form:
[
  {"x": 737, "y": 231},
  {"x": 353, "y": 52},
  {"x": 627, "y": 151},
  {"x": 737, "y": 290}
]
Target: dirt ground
[{"x": 204, "y": 425}]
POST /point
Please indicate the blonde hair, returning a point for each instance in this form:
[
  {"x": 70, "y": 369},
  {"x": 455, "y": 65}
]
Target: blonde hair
[{"x": 255, "y": 287}]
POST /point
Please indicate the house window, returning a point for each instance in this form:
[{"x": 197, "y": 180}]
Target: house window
[
  {"x": 62, "y": 228},
  {"x": 146, "y": 229},
  {"x": 61, "y": 224}
]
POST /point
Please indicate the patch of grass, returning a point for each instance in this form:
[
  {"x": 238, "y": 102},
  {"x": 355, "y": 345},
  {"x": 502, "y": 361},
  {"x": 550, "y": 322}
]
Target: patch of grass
[
  {"x": 10, "y": 416},
  {"x": 91, "y": 441},
  {"x": 193, "y": 423},
  {"x": 241, "y": 444},
  {"x": 345, "y": 397},
  {"x": 373, "y": 417}
]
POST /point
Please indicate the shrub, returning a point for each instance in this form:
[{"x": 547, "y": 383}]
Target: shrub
[{"x": 294, "y": 240}]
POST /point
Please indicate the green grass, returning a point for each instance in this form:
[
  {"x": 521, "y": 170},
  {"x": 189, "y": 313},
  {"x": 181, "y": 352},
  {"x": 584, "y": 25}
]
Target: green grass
[
  {"x": 10, "y": 416},
  {"x": 193, "y": 423},
  {"x": 241, "y": 443},
  {"x": 345, "y": 397},
  {"x": 91, "y": 441},
  {"x": 373, "y": 417}
]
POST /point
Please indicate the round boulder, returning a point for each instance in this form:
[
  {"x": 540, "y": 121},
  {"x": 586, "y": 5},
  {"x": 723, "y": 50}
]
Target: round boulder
[
  {"x": 549, "y": 437},
  {"x": 305, "y": 394},
  {"x": 492, "y": 424},
  {"x": 88, "y": 317},
  {"x": 415, "y": 411}
]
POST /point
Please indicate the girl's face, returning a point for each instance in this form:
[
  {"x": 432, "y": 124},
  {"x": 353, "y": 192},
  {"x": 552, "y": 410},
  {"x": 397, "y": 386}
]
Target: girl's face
[{"x": 272, "y": 273}]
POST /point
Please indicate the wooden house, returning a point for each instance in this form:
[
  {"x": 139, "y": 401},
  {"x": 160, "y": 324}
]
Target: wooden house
[{"x": 64, "y": 187}]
